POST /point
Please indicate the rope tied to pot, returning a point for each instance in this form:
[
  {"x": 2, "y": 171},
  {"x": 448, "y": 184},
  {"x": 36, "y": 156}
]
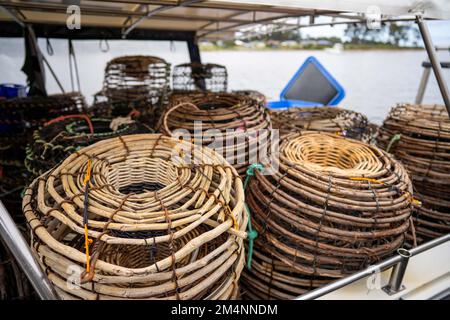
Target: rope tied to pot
[
  {"x": 251, "y": 233},
  {"x": 87, "y": 240},
  {"x": 366, "y": 179},
  {"x": 394, "y": 139},
  {"x": 73, "y": 116}
]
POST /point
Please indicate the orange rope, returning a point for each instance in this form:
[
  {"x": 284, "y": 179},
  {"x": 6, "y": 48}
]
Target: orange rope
[
  {"x": 233, "y": 218},
  {"x": 87, "y": 178},
  {"x": 79, "y": 116},
  {"x": 366, "y": 179},
  {"x": 87, "y": 241},
  {"x": 134, "y": 113}
]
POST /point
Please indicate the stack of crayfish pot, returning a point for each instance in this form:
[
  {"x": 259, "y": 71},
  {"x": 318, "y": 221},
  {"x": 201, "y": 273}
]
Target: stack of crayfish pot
[
  {"x": 134, "y": 217},
  {"x": 345, "y": 122},
  {"x": 137, "y": 84},
  {"x": 419, "y": 137},
  {"x": 64, "y": 135},
  {"x": 258, "y": 96},
  {"x": 196, "y": 76},
  {"x": 234, "y": 125},
  {"x": 334, "y": 206},
  {"x": 18, "y": 118}
]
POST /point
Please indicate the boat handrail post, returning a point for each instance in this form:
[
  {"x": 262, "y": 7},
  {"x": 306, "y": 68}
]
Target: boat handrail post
[
  {"x": 398, "y": 272},
  {"x": 423, "y": 85},
  {"x": 24, "y": 257},
  {"x": 432, "y": 55}
]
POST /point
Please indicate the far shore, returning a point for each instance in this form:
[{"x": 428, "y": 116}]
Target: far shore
[{"x": 311, "y": 48}]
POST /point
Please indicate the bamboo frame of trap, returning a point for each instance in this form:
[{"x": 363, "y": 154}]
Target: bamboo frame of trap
[
  {"x": 346, "y": 122},
  {"x": 55, "y": 141},
  {"x": 197, "y": 76},
  {"x": 220, "y": 112},
  {"x": 183, "y": 240},
  {"x": 419, "y": 136},
  {"x": 335, "y": 206},
  {"x": 139, "y": 83}
]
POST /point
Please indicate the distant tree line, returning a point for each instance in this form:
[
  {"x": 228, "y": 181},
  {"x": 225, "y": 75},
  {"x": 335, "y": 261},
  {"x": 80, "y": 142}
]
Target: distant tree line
[{"x": 394, "y": 34}]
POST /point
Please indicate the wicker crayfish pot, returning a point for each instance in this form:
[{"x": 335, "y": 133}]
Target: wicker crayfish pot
[
  {"x": 18, "y": 118},
  {"x": 335, "y": 206},
  {"x": 157, "y": 223},
  {"x": 64, "y": 135},
  {"x": 345, "y": 122},
  {"x": 419, "y": 136},
  {"x": 236, "y": 126},
  {"x": 137, "y": 83},
  {"x": 196, "y": 76},
  {"x": 258, "y": 96}
]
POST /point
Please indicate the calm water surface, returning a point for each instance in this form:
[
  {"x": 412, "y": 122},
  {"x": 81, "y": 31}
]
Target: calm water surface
[{"x": 374, "y": 80}]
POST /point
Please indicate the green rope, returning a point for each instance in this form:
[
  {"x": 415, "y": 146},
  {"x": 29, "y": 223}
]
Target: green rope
[
  {"x": 251, "y": 233},
  {"x": 251, "y": 172},
  {"x": 251, "y": 236},
  {"x": 394, "y": 139}
]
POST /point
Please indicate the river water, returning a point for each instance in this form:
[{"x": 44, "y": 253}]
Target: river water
[{"x": 374, "y": 80}]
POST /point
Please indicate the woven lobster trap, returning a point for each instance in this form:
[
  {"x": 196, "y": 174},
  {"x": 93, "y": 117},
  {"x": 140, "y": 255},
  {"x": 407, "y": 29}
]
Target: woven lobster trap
[
  {"x": 138, "y": 83},
  {"x": 18, "y": 118},
  {"x": 236, "y": 126},
  {"x": 346, "y": 122},
  {"x": 258, "y": 96},
  {"x": 419, "y": 136},
  {"x": 197, "y": 76},
  {"x": 335, "y": 206},
  {"x": 31, "y": 112},
  {"x": 64, "y": 135},
  {"x": 134, "y": 217}
]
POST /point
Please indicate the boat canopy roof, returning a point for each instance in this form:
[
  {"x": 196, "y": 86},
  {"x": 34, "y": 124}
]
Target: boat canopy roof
[{"x": 208, "y": 19}]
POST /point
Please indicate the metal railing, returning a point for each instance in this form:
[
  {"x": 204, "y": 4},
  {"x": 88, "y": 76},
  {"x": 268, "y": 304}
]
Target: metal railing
[
  {"x": 395, "y": 262},
  {"x": 24, "y": 257}
]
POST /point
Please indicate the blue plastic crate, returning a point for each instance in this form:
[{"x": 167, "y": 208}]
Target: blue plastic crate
[
  {"x": 310, "y": 73},
  {"x": 11, "y": 90}
]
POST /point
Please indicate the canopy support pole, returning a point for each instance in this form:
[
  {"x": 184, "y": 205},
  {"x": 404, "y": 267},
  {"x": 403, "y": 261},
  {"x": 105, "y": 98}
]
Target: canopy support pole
[
  {"x": 24, "y": 257},
  {"x": 435, "y": 64},
  {"x": 194, "y": 55}
]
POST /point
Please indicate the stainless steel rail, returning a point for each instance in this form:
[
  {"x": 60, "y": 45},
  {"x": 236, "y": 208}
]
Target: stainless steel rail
[
  {"x": 22, "y": 253},
  {"x": 398, "y": 272},
  {"x": 371, "y": 270}
]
